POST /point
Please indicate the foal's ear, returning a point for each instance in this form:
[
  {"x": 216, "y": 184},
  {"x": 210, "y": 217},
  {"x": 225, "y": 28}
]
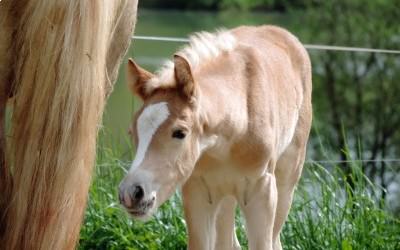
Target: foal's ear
[
  {"x": 137, "y": 78},
  {"x": 183, "y": 77}
]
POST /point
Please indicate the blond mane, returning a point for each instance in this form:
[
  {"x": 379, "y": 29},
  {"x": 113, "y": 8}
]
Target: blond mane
[
  {"x": 202, "y": 47},
  {"x": 65, "y": 56}
]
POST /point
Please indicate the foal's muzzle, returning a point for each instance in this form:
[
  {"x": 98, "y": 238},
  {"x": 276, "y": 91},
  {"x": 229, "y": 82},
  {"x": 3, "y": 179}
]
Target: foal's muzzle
[{"x": 136, "y": 200}]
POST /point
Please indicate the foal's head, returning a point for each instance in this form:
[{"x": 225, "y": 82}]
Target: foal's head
[{"x": 166, "y": 132}]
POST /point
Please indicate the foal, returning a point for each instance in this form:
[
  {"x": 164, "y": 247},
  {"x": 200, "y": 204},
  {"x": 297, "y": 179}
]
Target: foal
[{"x": 229, "y": 120}]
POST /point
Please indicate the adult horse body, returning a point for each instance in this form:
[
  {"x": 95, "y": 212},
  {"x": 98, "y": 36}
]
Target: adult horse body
[
  {"x": 229, "y": 119},
  {"x": 59, "y": 60}
]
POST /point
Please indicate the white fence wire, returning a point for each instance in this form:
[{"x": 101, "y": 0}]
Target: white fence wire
[
  {"x": 353, "y": 161},
  {"x": 307, "y": 46}
]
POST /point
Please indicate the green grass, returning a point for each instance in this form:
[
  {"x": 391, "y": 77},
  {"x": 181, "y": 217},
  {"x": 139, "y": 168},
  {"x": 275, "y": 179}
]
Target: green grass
[
  {"x": 333, "y": 217},
  {"x": 324, "y": 214}
]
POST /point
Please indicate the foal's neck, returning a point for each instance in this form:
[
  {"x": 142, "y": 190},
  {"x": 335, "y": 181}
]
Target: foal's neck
[{"x": 223, "y": 106}]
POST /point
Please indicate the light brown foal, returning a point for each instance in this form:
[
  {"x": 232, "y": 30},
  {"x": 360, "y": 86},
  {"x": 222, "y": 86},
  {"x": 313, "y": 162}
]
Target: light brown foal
[{"x": 228, "y": 119}]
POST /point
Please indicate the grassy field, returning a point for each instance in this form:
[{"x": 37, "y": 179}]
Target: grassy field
[{"x": 322, "y": 216}]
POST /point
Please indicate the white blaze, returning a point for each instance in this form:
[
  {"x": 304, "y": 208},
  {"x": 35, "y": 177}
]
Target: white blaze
[{"x": 147, "y": 124}]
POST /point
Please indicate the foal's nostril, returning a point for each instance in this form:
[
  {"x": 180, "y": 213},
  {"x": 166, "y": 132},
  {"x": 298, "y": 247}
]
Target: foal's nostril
[{"x": 138, "y": 193}]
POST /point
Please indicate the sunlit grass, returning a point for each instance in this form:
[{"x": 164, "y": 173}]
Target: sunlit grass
[{"x": 324, "y": 215}]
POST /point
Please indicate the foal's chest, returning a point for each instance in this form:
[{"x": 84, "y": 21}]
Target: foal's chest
[{"x": 224, "y": 177}]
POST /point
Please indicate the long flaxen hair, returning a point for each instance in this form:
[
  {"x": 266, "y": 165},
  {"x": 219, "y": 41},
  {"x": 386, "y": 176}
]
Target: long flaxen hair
[{"x": 58, "y": 59}]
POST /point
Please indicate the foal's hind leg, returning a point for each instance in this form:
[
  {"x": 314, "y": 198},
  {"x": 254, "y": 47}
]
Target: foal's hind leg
[
  {"x": 226, "y": 235},
  {"x": 288, "y": 171}
]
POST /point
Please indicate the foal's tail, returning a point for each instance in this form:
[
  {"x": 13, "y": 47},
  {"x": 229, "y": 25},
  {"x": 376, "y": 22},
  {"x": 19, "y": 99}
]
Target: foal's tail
[{"x": 61, "y": 82}]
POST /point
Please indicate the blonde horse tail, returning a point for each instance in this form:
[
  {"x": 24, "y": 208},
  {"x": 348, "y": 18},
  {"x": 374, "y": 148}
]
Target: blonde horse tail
[
  {"x": 6, "y": 61},
  {"x": 67, "y": 58}
]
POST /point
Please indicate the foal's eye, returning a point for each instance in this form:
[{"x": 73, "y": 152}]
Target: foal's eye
[{"x": 178, "y": 134}]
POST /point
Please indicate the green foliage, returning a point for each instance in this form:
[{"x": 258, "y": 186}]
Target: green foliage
[
  {"x": 214, "y": 4},
  {"x": 352, "y": 91},
  {"x": 245, "y": 4},
  {"x": 327, "y": 213},
  {"x": 323, "y": 215},
  {"x": 180, "y": 4}
]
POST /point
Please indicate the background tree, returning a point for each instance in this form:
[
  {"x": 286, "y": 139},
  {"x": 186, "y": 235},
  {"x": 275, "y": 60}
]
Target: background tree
[{"x": 356, "y": 101}]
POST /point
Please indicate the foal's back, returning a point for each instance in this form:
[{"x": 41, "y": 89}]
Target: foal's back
[{"x": 287, "y": 71}]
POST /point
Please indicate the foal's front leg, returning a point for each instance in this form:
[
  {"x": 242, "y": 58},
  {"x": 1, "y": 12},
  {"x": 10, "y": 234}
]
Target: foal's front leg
[
  {"x": 226, "y": 234},
  {"x": 259, "y": 205},
  {"x": 200, "y": 214}
]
